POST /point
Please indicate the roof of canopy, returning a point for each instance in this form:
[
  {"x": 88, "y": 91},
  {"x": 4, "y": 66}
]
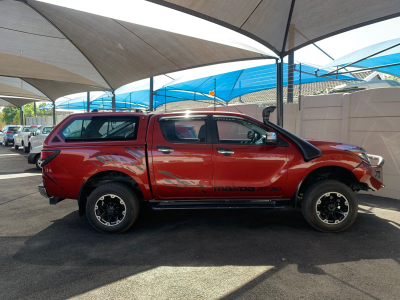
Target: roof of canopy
[
  {"x": 15, "y": 92},
  {"x": 377, "y": 55},
  {"x": 62, "y": 51},
  {"x": 229, "y": 85},
  {"x": 237, "y": 83},
  {"x": 287, "y": 25}
]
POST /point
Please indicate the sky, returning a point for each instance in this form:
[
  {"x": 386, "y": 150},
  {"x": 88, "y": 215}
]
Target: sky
[{"x": 149, "y": 14}]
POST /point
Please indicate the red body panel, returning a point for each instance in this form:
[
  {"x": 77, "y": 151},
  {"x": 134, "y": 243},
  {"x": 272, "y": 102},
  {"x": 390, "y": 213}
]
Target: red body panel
[
  {"x": 193, "y": 171},
  {"x": 254, "y": 171},
  {"x": 186, "y": 173}
]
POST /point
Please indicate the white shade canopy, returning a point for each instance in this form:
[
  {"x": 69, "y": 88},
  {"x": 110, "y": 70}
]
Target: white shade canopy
[
  {"x": 62, "y": 51},
  {"x": 15, "y": 92},
  {"x": 287, "y": 25}
]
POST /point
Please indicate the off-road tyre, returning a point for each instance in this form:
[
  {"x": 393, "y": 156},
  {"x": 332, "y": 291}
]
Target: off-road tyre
[
  {"x": 317, "y": 191},
  {"x": 121, "y": 191}
]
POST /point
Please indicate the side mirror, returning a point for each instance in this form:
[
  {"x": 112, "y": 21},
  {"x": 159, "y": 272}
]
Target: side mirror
[
  {"x": 271, "y": 138},
  {"x": 32, "y": 134}
]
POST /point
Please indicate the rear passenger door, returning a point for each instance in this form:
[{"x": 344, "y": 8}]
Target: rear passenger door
[{"x": 182, "y": 157}]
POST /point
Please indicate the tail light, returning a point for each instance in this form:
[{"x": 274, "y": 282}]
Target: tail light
[
  {"x": 9, "y": 132},
  {"x": 29, "y": 137},
  {"x": 47, "y": 155}
]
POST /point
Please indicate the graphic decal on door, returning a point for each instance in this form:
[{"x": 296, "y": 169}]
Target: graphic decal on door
[
  {"x": 134, "y": 164},
  {"x": 180, "y": 182}
]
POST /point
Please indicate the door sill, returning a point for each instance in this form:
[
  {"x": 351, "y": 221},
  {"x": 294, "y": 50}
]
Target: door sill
[{"x": 220, "y": 204}]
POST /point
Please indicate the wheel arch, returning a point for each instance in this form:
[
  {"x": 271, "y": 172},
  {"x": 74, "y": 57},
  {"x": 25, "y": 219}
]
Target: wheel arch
[
  {"x": 101, "y": 178},
  {"x": 338, "y": 173}
]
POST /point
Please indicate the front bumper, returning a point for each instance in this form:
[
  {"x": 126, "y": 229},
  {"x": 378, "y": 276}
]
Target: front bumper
[{"x": 371, "y": 175}]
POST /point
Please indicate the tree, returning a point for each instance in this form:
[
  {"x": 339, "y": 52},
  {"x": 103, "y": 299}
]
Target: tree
[
  {"x": 29, "y": 112},
  {"x": 8, "y": 115}
]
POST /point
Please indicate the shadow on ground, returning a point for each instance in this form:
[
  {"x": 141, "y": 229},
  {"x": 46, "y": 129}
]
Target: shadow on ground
[{"x": 197, "y": 238}]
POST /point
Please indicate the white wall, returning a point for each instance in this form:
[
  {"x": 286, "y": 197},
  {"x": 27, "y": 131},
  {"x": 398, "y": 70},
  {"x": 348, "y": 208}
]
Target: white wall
[{"x": 370, "y": 119}]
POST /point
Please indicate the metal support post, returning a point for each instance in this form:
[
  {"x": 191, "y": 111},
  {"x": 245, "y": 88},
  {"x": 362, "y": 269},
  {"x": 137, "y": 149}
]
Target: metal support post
[
  {"x": 21, "y": 115},
  {"x": 279, "y": 92},
  {"x": 88, "y": 102},
  {"x": 215, "y": 90},
  {"x": 290, "y": 78},
  {"x": 34, "y": 109},
  {"x": 54, "y": 113},
  {"x": 113, "y": 106},
  {"x": 151, "y": 94},
  {"x": 299, "y": 99}
]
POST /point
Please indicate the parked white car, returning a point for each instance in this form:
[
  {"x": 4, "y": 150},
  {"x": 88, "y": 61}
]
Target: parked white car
[
  {"x": 40, "y": 136},
  {"x": 34, "y": 156},
  {"x": 23, "y": 135}
]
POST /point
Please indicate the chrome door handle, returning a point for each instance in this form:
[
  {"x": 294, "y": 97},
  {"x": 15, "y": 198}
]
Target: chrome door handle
[
  {"x": 165, "y": 150},
  {"x": 225, "y": 152}
]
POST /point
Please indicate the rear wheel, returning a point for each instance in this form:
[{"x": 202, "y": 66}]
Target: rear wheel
[
  {"x": 5, "y": 143},
  {"x": 112, "y": 208},
  {"x": 329, "y": 206}
]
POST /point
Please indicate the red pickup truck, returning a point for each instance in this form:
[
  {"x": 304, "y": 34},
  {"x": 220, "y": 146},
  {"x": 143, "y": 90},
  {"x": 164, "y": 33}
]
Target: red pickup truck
[{"x": 111, "y": 162}]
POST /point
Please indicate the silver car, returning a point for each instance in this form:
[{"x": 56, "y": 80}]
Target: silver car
[{"x": 7, "y": 134}]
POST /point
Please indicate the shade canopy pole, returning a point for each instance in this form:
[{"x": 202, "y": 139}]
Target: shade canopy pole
[
  {"x": 290, "y": 78},
  {"x": 151, "y": 94},
  {"x": 54, "y": 113},
  {"x": 279, "y": 92},
  {"x": 34, "y": 109},
  {"x": 88, "y": 102},
  {"x": 21, "y": 115},
  {"x": 113, "y": 106}
]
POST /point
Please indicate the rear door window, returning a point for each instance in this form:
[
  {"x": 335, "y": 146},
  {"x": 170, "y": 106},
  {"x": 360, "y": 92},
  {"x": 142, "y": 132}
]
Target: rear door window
[
  {"x": 184, "y": 130},
  {"x": 101, "y": 128}
]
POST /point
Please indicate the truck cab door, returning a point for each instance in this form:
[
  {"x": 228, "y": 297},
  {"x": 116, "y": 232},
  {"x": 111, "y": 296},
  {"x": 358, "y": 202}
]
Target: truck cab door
[
  {"x": 245, "y": 166},
  {"x": 181, "y": 157}
]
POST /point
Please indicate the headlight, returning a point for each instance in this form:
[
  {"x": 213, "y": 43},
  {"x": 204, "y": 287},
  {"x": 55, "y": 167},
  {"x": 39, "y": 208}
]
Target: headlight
[{"x": 361, "y": 154}]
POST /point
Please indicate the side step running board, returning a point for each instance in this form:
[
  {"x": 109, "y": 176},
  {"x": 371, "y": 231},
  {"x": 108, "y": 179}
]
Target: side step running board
[{"x": 218, "y": 204}]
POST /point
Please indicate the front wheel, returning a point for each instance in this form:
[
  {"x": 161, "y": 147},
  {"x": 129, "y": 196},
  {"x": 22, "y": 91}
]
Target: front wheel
[
  {"x": 15, "y": 146},
  {"x": 329, "y": 206},
  {"x": 112, "y": 208}
]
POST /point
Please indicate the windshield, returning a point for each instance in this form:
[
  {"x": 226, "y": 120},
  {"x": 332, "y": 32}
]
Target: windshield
[
  {"x": 14, "y": 129},
  {"x": 29, "y": 129}
]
